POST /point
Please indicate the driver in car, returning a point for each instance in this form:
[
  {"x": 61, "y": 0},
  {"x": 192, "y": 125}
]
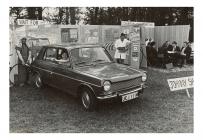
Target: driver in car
[{"x": 64, "y": 57}]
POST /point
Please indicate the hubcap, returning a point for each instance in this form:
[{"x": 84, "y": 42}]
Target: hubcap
[
  {"x": 85, "y": 100},
  {"x": 38, "y": 82}
]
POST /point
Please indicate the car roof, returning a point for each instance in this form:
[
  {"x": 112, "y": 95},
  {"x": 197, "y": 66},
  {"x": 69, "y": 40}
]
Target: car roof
[
  {"x": 73, "y": 46},
  {"x": 37, "y": 38}
]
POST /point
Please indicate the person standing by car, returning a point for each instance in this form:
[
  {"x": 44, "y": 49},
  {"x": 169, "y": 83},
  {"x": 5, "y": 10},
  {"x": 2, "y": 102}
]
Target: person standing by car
[
  {"x": 121, "y": 46},
  {"x": 24, "y": 57}
]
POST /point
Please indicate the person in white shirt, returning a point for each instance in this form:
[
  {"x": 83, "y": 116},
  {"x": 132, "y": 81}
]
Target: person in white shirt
[{"x": 121, "y": 46}]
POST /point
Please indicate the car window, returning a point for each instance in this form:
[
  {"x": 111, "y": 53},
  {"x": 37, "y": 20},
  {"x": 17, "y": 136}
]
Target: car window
[
  {"x": 50, "y": 54},
  {"x": 62, "y": 56},
  {"x": 89, "y": 55}
]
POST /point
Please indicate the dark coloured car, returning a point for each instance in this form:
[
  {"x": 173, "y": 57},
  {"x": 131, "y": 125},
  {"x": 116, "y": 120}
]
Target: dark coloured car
[{"x": 87, "y": 72}]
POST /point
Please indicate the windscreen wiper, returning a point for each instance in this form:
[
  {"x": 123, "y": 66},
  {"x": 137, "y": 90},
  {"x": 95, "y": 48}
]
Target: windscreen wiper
[
  {"x": 79, "y": 63},
  {"x": 98, "y": 60}
]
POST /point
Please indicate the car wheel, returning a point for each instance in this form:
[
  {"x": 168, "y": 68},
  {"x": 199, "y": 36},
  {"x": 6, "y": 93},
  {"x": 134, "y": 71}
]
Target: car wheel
[
  {"x": 38, "y": 81},
  {"x": 88, "y": 100}
]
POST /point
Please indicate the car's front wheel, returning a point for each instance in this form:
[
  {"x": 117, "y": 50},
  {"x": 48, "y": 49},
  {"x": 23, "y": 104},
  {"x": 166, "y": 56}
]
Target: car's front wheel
[
  {"x": 38, "y": 81},
  {"x": 88, "y": 100}
]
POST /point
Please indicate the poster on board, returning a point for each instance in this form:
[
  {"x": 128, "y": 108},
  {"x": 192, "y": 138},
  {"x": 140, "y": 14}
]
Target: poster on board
[
  {"x": 90, "y": 34},
  {"x": 133, "y": 34},
  {"x": 69, "y": 35}
]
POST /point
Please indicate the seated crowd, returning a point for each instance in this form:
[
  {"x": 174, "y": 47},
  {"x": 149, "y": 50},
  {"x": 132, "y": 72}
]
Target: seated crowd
[{"x": 168, "y": 53}]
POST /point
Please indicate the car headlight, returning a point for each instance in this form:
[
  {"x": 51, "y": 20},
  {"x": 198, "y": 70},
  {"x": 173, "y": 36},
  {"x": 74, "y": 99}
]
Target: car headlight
[
  {"x": 107, "y": 86},
  {"x": 144, "y": 77}
]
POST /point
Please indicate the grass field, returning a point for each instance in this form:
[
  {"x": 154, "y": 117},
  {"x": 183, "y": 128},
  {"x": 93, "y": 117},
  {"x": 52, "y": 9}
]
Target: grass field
[{"x": 157, "y": 110}]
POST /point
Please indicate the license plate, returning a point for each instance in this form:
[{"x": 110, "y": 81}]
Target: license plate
[{"x": 129, "y": 96}]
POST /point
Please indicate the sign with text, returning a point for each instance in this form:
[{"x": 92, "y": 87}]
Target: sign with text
[
  {"x": 134, "y": 37},
  {"x": 180, "y": 83},
  {"x": 29, "y": 22}
]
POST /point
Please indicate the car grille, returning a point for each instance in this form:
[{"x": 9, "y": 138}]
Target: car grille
[{"x": 126, "y": 84}]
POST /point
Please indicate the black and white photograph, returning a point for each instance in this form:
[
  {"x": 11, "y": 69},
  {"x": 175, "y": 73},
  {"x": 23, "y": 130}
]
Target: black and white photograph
[{"x": 101, "y": 69}]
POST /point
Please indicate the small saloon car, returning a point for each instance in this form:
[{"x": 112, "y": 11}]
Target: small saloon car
[{"x": 87, "y": 72}]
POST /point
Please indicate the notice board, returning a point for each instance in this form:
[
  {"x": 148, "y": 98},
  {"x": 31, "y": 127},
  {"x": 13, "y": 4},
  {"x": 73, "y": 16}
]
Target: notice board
[
  {"x": 110, "y": 33},
  {"x": 69, "y": 35},
  {"x": 133, "y": 55},
  {"x": 90, "y": 34}
]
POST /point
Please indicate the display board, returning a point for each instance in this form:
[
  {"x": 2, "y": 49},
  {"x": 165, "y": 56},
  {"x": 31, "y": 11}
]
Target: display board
[
  {"x": 90, "y": 34},
  {"x": 69, "y": 35},
  {"x": 133, "y": 55},
  {"x": 146, "y": 31},
  {"x": 109, "y": 35},
  {"x": 134, "y": 36},
  {"x": 52, "y": 32},
  {"x": 178, "y": 33}
]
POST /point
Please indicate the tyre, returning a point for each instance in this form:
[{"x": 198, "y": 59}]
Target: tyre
[
  {"x": 38, "y": 81},
  {"x": 88, "y": 100}
]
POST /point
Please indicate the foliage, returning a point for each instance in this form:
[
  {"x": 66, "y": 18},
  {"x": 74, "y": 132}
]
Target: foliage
[
  {"x": 159, "y": 15},
  {"x": 106, "y": 15}
]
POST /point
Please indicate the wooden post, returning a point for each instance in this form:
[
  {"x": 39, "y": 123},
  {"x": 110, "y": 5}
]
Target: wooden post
[{"x": 188, "y": 94}]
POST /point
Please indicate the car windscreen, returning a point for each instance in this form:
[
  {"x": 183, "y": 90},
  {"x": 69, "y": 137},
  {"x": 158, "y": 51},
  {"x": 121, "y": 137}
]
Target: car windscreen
[{"x": 89, "y": 55}]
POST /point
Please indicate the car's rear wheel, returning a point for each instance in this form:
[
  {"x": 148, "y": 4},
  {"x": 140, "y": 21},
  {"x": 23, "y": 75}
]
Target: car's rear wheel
[
  {"x": 38, "y": 81},
  {"x": 88, "y": 100}
]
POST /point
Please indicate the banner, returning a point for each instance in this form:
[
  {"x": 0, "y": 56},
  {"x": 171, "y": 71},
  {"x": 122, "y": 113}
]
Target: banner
[{"x": 180, "y": 83}]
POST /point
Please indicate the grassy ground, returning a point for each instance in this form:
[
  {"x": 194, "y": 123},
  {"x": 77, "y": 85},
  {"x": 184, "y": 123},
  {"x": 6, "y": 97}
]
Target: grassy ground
[{"x": 50, "y": 110}]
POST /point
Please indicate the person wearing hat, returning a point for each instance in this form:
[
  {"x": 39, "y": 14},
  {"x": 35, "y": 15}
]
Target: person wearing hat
[
  {"x": 121, "y": 46},
  {"x": 24, "y": 57}
]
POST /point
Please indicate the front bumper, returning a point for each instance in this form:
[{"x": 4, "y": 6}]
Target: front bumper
[{"x": 118, "y": 94}]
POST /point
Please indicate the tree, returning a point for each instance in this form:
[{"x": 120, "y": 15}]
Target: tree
[
  {"x": 63, "y": 15},
  {"x": 34, "y": 13},
  {"x": 17, "y": 13},
  {"x": 159, "y": 15}
]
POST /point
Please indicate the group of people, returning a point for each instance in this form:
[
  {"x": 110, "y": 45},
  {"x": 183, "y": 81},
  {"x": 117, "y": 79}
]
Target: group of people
[
  {"x": 176, "y": 55},
  {"x": 172, "y": 53}
]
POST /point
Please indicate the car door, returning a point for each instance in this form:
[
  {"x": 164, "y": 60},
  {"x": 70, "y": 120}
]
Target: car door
[
  {"x": 62, "y": 71},
  {"x": 47, "y": 65}
]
